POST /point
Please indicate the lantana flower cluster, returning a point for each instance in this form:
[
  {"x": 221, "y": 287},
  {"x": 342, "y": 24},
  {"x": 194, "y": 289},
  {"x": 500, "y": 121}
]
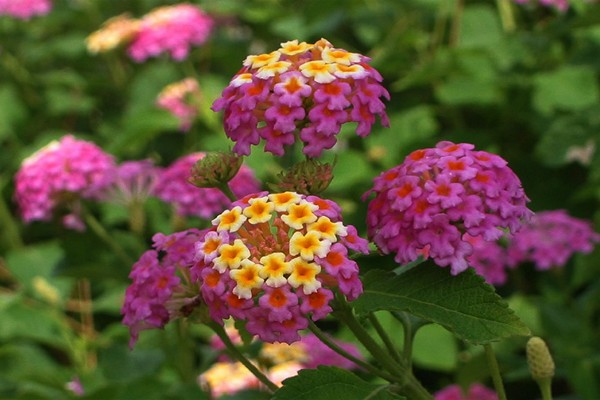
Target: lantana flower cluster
[
  {"x": 25, "y": 9},
  {"x": 161, "y": 289},
  {"x": 182, "y": 100},
  {"x": 547, "y": 241},
  {"x": 275, "y": 260},
  {"x": 550, "y": 239},
  {"x": 168, "y": 29},
  {"x": 60, "y": 175},
  {"x": 428, "y": 204},
  {"x": 304, "y": 92},
  {"x": 174, "y": 187},
  {"x": 279, "y": 361}
]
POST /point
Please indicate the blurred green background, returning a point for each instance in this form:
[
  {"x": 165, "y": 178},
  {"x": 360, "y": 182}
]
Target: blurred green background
[{"x": 521, "y": 81}]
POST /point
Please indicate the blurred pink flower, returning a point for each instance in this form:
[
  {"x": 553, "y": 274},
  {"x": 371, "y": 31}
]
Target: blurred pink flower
[
  {"x": 426, "y": 205},
  {"x": 550, "y": 239},
  {"x": 301, "y": 90},
  {"x": 59, "y": 176},
  {"x": 24, "y": 9},
  {"x": 181, "y": 99},
  {"x": 134, "y": 181},
  {"x": 170, "y": 29},
  {"x": 174, "y": 187},
  {"x": 476, "y": 392}
]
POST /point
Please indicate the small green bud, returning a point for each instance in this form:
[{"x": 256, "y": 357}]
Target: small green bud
[
  {"x": 307, "y": 177},
  {"x": 215, "y": 169},
  {"x": 539, "y": 359}
]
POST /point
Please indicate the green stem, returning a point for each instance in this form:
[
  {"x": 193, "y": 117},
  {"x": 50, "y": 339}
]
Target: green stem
[
  {"x": 235, "y": 352},
  {"x": 506, "y": 15},
  {"x": 227, "y": 192},
  {"x": 494, "y": 371},
  {"x": 545, "y": 385},
  {"x": 326, "y": 340},
  {"x": 384, "y": 337},
  {"x": 9, "y": 226},
  {"x": 99, "y": 230},
  {"x": 137, "y": 217},
  {"x": 410, "y": 385},
  {"x": 185, "y": 363}
]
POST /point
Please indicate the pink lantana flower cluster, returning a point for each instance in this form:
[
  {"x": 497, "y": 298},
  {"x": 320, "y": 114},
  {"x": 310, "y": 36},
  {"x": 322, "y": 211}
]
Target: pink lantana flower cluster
[
  {"x": 173, "y": 187},
  {"x": 161, "y": 289},
  {"x": 25, "y": 9},
  {"x": 168, "y": 29},
  {"x": 304, "y": 92},
  {"x": 476, "y": 391},
  {"x": 429, "y": 203},
  {"x": 550, "y": 239},
  {"x": 182, "y": 100},
  {"x": 58, "y": 176},
  {"x": 275, "y": 260}
]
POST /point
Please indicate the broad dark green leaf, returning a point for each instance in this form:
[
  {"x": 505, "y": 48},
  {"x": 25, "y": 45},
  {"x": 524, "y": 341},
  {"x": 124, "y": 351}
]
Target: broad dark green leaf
[
  {"x": 325, "y": 383},
  {"x": 464, "y": 304}
]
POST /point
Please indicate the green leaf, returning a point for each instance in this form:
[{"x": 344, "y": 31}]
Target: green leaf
[
  {"x": 435, "y": 348},
  {"x": 464, "y": 304},
  {"x": 35, "y": 260},
  {"x": 569, "y": 88},
  {"x": 325, "y": 383}
]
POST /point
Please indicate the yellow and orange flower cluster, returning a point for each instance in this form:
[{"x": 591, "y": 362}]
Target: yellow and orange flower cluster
[{"x": 274, "y": 260}]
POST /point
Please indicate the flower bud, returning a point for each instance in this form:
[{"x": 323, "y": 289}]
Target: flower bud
[
  {"x": 539, "y": 359},
  {"x": 215, "y": 169}
]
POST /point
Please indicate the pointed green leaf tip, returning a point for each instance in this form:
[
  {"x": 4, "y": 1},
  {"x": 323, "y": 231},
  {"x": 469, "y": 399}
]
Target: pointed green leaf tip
[
  {"x": 326, "y": 383},
  {"x": 464, "y": 304}
]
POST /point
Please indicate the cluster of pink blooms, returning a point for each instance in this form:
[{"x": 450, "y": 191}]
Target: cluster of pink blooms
[
  {"x": 59, "y": 176},
  {"x": 181, "y": 99},
  {"x": 560, "y": 5},
  {"x": 170, "y": 29},
  {"x": 548, "y": 240},
  {"x": 24, "y": 9},
  {"x": 173, "y": 187},
  {"x": 430, "y": 203},
  {"x": 274, "y": 260},
  {"x": 279, "y": 361},
  {"x": 475, "y": 392},
  {"x": 301, "y": 89},
  {"x": 161, "y": 289}
]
